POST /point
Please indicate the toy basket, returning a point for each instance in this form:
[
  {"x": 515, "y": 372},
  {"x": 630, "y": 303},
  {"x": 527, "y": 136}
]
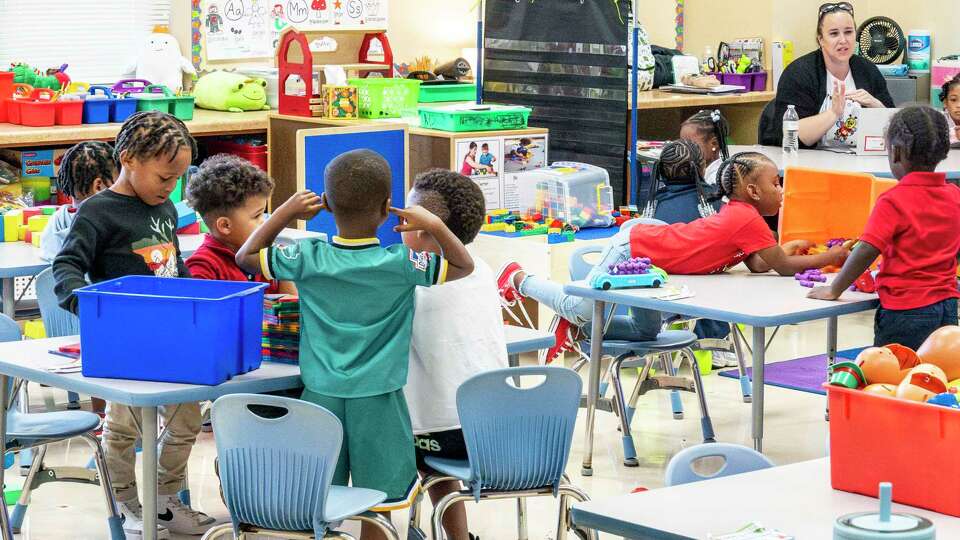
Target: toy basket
[
  {"x": 474, "y": 117},
  {"x": 387, "y": 98}
]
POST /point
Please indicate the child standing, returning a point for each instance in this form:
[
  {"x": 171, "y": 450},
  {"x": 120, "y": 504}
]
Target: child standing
[
  {"x": 914, "y": 227},
  {"x": 487, "y": 159},
  {"x": 356, "y": 302},
  {"x": 231, "y": 195},
  {"x": 950, "y": 97},
  {"x": 709, "y": 129},
  {"x": 130, "y": 229},
  {"x": 86, "y": 169},
  {"x": 457, "y": 332},
  {"x": 708, "y": 245}
]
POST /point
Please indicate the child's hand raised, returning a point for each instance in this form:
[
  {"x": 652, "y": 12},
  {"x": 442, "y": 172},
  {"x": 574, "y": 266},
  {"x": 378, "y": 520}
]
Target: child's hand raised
[
  {"x": 304, "y": 205},
  {"x": 416, "y": 218},
  {"x": 823, "y": 293}
]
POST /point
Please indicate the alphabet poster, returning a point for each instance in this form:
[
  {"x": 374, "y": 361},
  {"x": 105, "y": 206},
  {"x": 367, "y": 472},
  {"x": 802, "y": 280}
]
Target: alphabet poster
[{"x": 242, "y": 29}]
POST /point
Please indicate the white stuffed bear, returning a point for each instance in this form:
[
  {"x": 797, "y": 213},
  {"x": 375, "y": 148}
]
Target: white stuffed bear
[{"x": 160, "y": 62}]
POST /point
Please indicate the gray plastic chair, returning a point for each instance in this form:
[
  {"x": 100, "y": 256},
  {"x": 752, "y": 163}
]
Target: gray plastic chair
[{"x": 736, "y": 460}]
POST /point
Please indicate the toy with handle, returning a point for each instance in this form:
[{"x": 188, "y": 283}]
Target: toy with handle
[
  {"x": 6, "y": 91},
  {"x": 130, "y": 86},
  {"x": 39, "y": 109},
  {"x": 96, "y": 108},
  {"x": 155, "y": 97},
  {"x": 21, "y": 91}
]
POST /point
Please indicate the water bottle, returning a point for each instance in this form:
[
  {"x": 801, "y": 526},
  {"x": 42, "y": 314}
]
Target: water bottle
[{"x": 791, "y": 131}]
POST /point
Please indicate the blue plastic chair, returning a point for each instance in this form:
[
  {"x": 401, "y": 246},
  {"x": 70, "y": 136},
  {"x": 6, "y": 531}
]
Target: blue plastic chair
[
  {"x": 36, "y": 430},
  {"x": 518, "y": 440},
  {"x": 736, "y": 460},
  {"x": 57, "y": 322},
  {"x": 275, "y": 473},
  {"x": 642, "y": 354}
]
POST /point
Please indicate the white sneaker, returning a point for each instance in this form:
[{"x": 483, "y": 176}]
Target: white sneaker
[
  {"x": 132, "y": 514},
  {"x": 722, "y": 359},
  {"x": 181, "y": 519}
]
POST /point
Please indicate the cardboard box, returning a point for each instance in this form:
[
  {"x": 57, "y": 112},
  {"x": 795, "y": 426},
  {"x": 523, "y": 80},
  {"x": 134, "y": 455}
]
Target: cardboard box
[
  {"x": 37, "y": 162},
  {"x": 341, "y": 101}
]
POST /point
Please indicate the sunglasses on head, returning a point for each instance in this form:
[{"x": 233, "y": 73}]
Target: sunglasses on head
[{"x": 836, "y": 6}]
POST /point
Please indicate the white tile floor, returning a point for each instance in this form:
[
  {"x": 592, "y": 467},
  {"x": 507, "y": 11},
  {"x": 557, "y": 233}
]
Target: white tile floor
[{"x": 795, "y": 431}]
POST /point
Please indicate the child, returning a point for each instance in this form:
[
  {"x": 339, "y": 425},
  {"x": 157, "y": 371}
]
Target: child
[
  {"x": 950, "y": 97},
  {"x": 709, "y": 129},
  {"x": 356, "y": 302},
  {"x": 231, "y": 196},
  {"x": 470, "y": 165},
  {"x": 130, "y": 229},
  {"x": 708, "y": 245},
  {"x": 457, "y": 332},
  {"x": 521, "y": 152},
  {"x": 678, "y": 193},
  {"x": 487, "y": 159},
  {"x": 914, "y": 227},
  {"x": 86, "y": 169}
]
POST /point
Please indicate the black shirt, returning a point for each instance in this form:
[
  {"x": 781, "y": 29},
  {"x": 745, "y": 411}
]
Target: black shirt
[
  {"x": 116, "y": 235},
  {"x": 804, "y": 85}
]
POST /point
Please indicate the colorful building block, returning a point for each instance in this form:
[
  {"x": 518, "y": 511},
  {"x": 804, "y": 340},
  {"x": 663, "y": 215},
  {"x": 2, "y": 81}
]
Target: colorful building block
[
  {"x": 29, "y": 213},
  {"x": 492, "y": 227},
  {"x": 193, "y": 228},
  {"x": 185, "y": 215},
  {"x": 35, "y": 238},
  {"x": 34, "y": 329},
  {"x": 11, "y": 225},
  {"x": 22, "y": 231},
  {"x": 37, "y": 223}
]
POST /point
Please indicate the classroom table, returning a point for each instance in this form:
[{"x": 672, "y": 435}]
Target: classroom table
[
  {"x": 19, "y": 259},
  {"x": 840, "y": 162},
  {"x": 738, "y": 296},
  {"x": 794, "y": 499},
  {"x": 31, "y": 360}
]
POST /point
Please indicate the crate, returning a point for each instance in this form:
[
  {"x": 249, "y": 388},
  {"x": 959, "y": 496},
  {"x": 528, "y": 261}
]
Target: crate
[
  {"x": 386, "y": 98},
  {"x": 575, "y": 193},
  {"x": 122, "y": 108},
  {"x": 173, "y": 330},
  {"x": 474, "y": 117},
  {"x": 876, "y": 438},
  {"x": 155, "y": 98},
  {"x": 96, "y": 107},
  {"x": 254, "y": 153},
  {"x": 433, "y": 93},
  {"x": 69, "y": 112}
]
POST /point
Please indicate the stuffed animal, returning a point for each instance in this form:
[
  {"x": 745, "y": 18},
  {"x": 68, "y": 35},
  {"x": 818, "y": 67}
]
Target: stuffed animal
[
  {"x": 160, "y": 62},
  {"x": 225, "y": 91}
]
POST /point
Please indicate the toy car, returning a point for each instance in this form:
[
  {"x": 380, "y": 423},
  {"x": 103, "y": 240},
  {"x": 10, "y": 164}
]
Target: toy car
[{"x": 654, "y": 277}]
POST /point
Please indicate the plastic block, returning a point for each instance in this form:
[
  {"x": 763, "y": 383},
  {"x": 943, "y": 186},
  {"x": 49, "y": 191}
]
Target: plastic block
[
  {"x": 37, "y": 223},
  {"x": 35, "y": 238},
  {"x": 193, "y": 228},
  {"x": 22, "y": 231},
  {"x": 11, "y": 225},
  {"x": 29, "y": 213},
  {"x": 34, "y": 329},
  {"x": 488, "y": 227},
  {"x": 185, "y": 215}
]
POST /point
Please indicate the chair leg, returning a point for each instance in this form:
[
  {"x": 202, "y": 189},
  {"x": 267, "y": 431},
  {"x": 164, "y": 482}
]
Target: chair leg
[
  {"x": 629, "y": 450},
  {"x": 573, "y": 492},
  {"x": 705, "y": 422},
  {"x": 114, "y": 518},
  {"x": 20, "y": 510},
  {"x": 746, "y": 388},
  {"x": 631, "y": 407},
  {"x": 562, "y": 518},
  {"x": 436, "y": 521},
  {"x": 413, "y": 529},
  {"x": 521, "y": 519},
  {"x": 675, "y": 403},
  {"x": 73, "y": 401},
  {"x": 380, "y": 522},
  {"x": 25, "y": 455},
  {"x": 218, "y": 531}
]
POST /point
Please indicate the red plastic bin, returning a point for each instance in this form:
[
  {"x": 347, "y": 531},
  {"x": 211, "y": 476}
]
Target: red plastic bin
[
  {"x": 914, "y": 445},
  {"x": 40, "y": 110},
  {"x": 69, "y": 112},
  {"x": 256, "y": 154},
  {"x": 6, "y": 92}
]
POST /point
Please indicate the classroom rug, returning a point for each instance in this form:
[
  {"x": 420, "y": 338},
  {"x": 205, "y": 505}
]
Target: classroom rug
[{"x": 803, "y": 374}]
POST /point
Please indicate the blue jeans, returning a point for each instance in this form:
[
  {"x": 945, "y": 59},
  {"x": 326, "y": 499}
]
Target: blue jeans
[
  {"x": 639, "y": 325},
  {"x": 911, "y": 327}
]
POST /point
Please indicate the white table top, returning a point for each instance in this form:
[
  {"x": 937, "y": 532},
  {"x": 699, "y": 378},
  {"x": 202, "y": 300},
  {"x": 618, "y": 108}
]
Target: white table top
[
  {"x": 737, "y": 296},
  {"x": 794, "y": 499},
  {"x": 825, "y": 159}
]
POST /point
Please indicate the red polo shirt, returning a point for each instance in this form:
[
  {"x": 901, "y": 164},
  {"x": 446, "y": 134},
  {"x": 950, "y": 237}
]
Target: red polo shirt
[
  {"x": 214, "y": 260},
  {"x": 707, "y": 245},
  {"x": 916, "y": 227}
]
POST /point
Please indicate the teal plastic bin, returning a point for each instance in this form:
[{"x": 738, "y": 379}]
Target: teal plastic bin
[{"x": 434, "y": 93}]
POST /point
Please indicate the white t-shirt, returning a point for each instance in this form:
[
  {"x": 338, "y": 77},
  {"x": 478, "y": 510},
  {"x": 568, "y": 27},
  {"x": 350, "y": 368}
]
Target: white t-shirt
[
  {"x": 843, "y": 134},
  {"x": 457, "y": 333},
  {"x": 710, "y": 175}
]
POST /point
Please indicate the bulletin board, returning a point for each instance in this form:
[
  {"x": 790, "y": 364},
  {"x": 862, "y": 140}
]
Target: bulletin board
[
  {"x": 318, "y": 147},
  {"x": 245, "y": 29}
]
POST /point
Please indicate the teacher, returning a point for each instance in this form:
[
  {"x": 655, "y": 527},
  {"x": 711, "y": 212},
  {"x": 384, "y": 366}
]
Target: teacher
[{"x": 828, "y": 86}]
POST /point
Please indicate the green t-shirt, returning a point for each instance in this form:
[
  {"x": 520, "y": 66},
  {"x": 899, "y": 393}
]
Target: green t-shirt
[{"x": 356, "y": 304}]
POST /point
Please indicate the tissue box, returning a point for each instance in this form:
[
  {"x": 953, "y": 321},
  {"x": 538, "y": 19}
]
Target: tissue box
[{"x": 340, "y": 101}]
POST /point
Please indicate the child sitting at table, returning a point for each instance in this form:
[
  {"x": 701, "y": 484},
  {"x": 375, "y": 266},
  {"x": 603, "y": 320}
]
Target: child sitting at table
[
  {"x": 950, "y": 97},
  {"x": 356, "y": 304},
  {"x": 86, "y": 169},
  {"x": 914, "y": 227},
  {"x": 709, "y": 129},
  {"x": 231, "y": 195},
  {"x": 708, "y": 245},
  {"x": 130, "y": 229},
  {"x": 457, "y": 333}
]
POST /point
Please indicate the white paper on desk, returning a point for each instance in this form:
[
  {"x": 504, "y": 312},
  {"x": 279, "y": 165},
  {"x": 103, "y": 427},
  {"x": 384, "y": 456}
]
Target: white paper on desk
[
  {"x": 335, "y": 75},
  {"x": 66, "y": 368},
  {"x": 667, "y": 292}
]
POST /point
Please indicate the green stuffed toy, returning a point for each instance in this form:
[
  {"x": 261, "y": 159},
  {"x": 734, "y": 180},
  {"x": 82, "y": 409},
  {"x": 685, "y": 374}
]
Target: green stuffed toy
[{"x": 224, "y": 91}]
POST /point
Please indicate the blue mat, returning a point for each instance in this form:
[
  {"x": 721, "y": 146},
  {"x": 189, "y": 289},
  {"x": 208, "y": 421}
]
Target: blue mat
[{"x": 804, "y": 374}]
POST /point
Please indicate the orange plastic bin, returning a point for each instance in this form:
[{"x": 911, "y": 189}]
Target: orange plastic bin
[{"x": 914, "y": 445}]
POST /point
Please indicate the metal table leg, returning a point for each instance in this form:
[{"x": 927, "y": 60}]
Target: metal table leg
[
  {"x": 148, "y": 435},
  {"x": 593, "y": 384},
  {"x": 9, "y": 297},
  {"x": 759, "y": 353},
  {"x": 4, "y": 400},
  {"x": 831, "y": 356}
]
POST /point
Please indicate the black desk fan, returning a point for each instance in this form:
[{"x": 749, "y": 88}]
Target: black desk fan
[{"x": 881, "y": 40}]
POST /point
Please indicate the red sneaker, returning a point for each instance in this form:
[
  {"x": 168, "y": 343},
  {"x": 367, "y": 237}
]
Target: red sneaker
[
  {"x": 508, "y": 291},
  {"x": 563, "y": 331}
]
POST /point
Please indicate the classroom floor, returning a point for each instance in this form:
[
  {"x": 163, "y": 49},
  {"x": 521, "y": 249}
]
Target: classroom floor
[{"x": 794, "y": 431}]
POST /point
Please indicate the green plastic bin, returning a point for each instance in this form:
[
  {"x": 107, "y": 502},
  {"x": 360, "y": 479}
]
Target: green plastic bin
[
  {"x": 433, "y": 93},
  {"x": 150, "y": 100},
  {"x": 386, "y": 98},
  {"x": 474, "y": 117},
  {"x": 182, "y": 107}
]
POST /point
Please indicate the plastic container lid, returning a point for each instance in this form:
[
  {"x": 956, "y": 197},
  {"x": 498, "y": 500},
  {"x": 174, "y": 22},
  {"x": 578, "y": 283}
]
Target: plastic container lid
[{"x": 883, "y": 524}]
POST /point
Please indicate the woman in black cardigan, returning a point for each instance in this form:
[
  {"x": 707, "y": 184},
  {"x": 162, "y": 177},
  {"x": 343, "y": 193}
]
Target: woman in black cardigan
[{"x": 853, "y": 82}]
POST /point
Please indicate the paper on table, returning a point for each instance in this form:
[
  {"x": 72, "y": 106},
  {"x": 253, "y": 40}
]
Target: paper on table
[
  {"x": 753, "y": 531},
  {"x": 667, "y": 292}
]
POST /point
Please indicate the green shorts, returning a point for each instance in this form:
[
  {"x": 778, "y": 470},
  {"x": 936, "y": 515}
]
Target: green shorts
[{"x": 377, "y": 450}]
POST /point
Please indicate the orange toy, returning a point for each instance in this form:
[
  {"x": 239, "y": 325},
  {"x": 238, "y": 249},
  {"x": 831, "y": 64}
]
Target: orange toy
[
  {"x": 942, "y": 349},
  {"x": 879, "y": 365},
  {"x": 882, "y": 389},
  {"x": 922, "y": 383}
]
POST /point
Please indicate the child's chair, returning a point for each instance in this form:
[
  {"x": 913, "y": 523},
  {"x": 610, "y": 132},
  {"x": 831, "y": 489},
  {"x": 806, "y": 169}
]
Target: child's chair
[
  {"x": 36, "y": 430},
  {"x": 643, "y": 354},
  {"x": 518, "y": 440},
  {"x": 736, "y": 460},
  {"x": 275, "y": 472},
  {"x": 57, "y": 322}
]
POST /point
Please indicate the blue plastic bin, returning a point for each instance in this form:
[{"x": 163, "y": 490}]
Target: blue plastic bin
[
  {"x": 170, "y": 330},
  {"x": 97, "y": 111},
  {"x": 122, "y": 108}
]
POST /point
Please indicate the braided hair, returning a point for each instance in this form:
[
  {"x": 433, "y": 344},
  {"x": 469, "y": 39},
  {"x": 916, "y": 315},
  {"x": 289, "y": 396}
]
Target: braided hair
[
  {"x": 947, "y": 86},
  {"x": 921, "y": 132},
  {"x": 82, "y": 164},
  {"x": 681, "y": 162},
  {"x": 739, "y": 169},
  {"x": 710, "y": 123},
  {"x": 150, "y": 134}
]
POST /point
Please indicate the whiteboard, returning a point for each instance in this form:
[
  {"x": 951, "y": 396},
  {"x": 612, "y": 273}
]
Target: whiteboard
[{"x": 242, "y": 29}]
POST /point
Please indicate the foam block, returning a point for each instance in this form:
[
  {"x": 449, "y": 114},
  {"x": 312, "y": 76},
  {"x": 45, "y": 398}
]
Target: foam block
[
  {"x": 185, "y": 215},
  {"x": 38, "y": 223},
  {"x": 22, "y": 231},
  {"x": 11, "y": 225},
  {"x": 29, "y": 213},
  {"x": 193, "y": 228},
  {"x": 35, "y": 238}
]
